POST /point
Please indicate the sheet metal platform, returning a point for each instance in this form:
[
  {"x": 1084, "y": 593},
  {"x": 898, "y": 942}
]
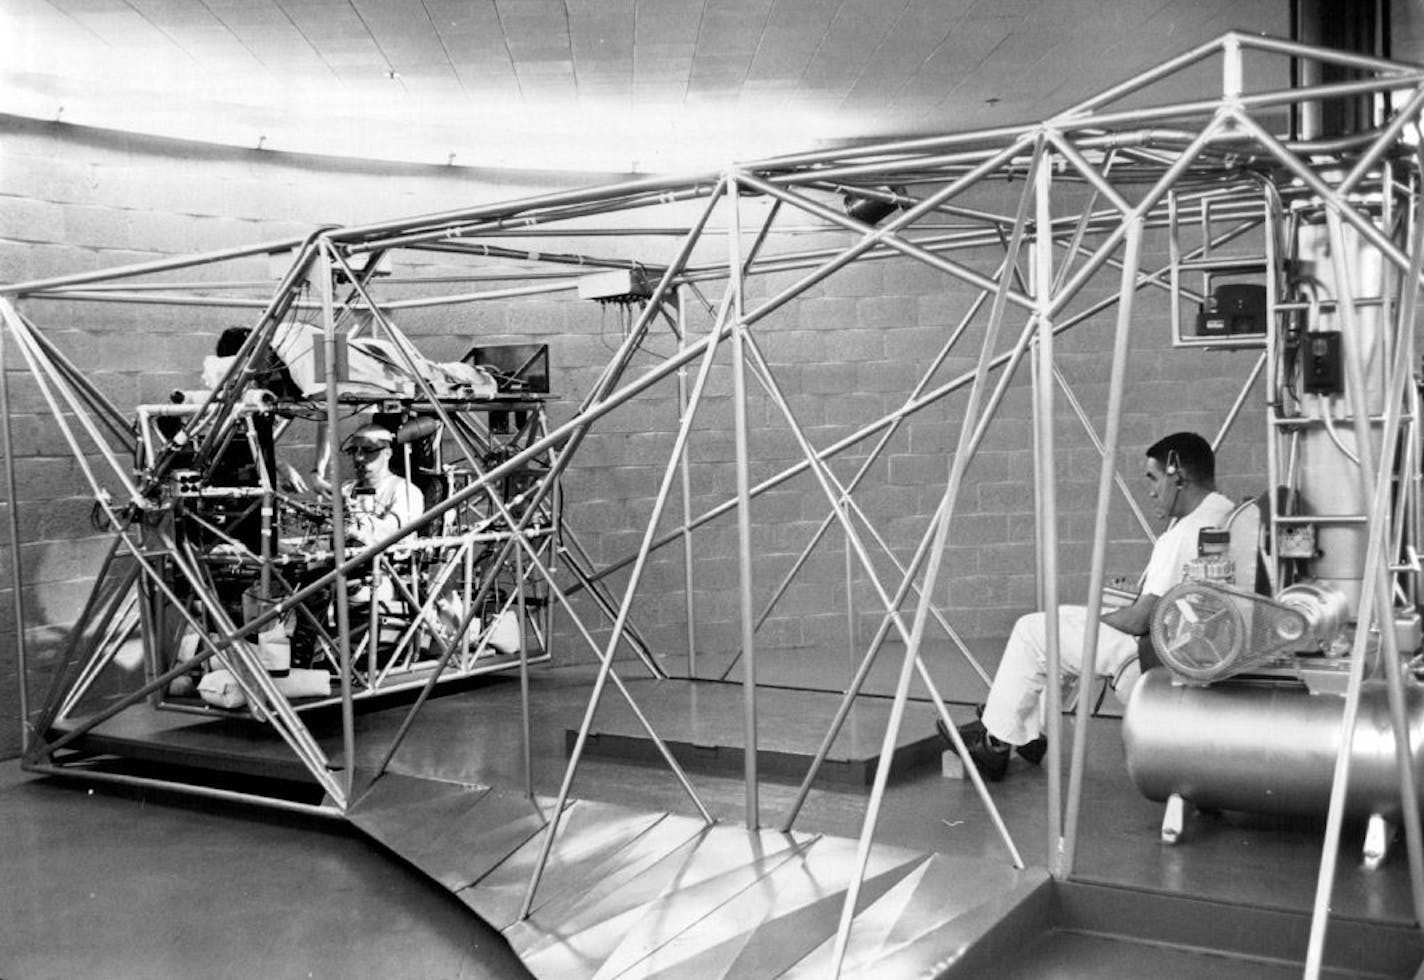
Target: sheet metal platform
[
  {"x": 215, "y": 743},
  {"x": 630, "y": 893},
  {"x": 701, "y": 724},
  {"x": 635, "y": 878}
]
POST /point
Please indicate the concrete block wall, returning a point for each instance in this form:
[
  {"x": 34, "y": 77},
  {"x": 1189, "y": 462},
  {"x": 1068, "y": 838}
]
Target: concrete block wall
[{"x": 848, "y": 351}]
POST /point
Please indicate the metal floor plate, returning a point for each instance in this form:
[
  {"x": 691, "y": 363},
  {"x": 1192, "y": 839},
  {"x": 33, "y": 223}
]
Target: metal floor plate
[{"x": 636, "y": 894}]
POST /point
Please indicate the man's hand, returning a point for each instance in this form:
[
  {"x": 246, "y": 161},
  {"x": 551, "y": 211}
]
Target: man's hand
[
  {"x": 290, "y": 479},
  {"x": 1135, "y": 619}
]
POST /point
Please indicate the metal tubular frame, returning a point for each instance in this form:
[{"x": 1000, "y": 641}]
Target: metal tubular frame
[{"x": 1146, "y": 165}]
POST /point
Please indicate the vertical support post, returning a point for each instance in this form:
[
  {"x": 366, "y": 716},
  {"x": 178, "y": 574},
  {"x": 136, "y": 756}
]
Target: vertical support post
[
  {"x": 1097, "y": 564},
  {"x": 524, "y": 671},
  {"x": 1048, "y": 511},
  {"x": 744, "y": 533},
  {"x": 469, "y": 595},
  {"x": 325, "y": 290},
  {"x": 685, "y": 472},
  {"x": 268, "y": 512},
  {"x": 13, "y": 520},
  {"x": 849, "y": 550},
  {"x": 1375, "y": 595}
]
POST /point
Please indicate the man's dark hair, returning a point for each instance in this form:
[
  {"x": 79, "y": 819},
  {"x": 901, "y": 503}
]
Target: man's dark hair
[
  {"x": 1188, "y": 451},
  {"x": 271, "y": 374},
  {"x": 230, "y": 342}
]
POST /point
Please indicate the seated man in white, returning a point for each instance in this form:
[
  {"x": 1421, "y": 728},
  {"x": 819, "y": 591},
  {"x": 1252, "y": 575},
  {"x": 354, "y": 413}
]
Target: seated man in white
[
  {"x": 377, "y": 502},
  {"x": 1181, "y": 477}
]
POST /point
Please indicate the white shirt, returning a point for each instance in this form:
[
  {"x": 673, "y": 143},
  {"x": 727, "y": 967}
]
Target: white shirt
[
  {"x": 1178, "y": 544},
  {"x": 372, "y": 513}
]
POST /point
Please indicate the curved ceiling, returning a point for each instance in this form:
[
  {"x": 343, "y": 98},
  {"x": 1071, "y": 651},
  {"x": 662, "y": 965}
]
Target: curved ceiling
[{"x": 605, "y": 85}]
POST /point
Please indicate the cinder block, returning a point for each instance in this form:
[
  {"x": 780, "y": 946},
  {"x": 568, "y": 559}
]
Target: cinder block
[
  {"x": 1006, "y": 558},
  {"x": 48, "y": 610},
  {"x": 788, "y": 346},
  {"x": 98, "y": 227},
  {"x": 246, "y": 197},
  {"x": 33, "y": 435},
  {"x": 809, "y": 410},
  {"x": 826, "y": 631},
  {"x": 61, "y": 517},
  {"x": 50, "y": 260},
  {"x": 982, "y": 529},
  {"x": 211, "y": 233},
  {"x": 775, "y": 283},
  {"x": 911, "y": 277},
  {"x": 162, "y": 232},
  {"x": 926, "y": 435},
  {"x": 887, "y": 312},
  {"x": 913, "y": 470},
  {"x": 271, "y": 230},
  {"x": 775, "y": 445},
  {"x": 62, "y": 560},
  {"x": 777, "y": 506},
  {"x": 596, "y": 516},
  {"x": 715, "y": 446},
  {"x": 857, "y": 279},
  {"x": 946, "y": 309},
  {"x": 1002, "y": 498},
  {"x": 712, "y": 574},
  {"x": 46, "y": 478},
  {"x": 105, "y": 352},
  {"x": 854, "y": 410},
  {"x": 44, "y": 178},
  {"x": 976, "y": 591},
  {"x": 886, "y": 499},
  {"x": 819, "y": 315},
  {"x": 830, "y": 379},
  {"x": 140, "y": 183},
  {"x": 825, "y": 566},
  {"x": 891, "y": 376},
  {"x": 781, "y": 633},
  {"x": 15, "y": 263},
  {"x": 854, "y": 346},
  {"x": 27, "y": 220}
]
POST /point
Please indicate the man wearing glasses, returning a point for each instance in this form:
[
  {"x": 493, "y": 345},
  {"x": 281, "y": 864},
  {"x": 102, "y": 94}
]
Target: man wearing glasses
[{"x": 378, "y": 502}]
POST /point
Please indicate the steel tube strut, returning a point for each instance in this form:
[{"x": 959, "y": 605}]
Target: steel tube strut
[
  {"x": 606, "y": 660},
  {"x": 12, "y": 520},
  {"x": 932, "y": 566}
]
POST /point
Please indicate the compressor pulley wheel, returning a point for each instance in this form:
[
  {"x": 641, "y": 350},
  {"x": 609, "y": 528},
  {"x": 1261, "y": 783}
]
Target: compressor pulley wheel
[{"x": 1198, "y": 632}]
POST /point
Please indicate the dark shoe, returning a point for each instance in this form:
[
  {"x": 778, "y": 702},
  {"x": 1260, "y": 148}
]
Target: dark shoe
[
  {"x": 969, "y": 732},
  {"x": 1034, "y": 751},
  {"x": 1031, "y": 752},
  {"x": 991, "y": 757}
]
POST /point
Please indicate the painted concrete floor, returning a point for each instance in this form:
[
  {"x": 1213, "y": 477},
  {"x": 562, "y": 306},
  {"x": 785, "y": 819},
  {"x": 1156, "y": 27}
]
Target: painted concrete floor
[
  {"x": 117, "y": 884},
  {"x": 129, "y": 883}
]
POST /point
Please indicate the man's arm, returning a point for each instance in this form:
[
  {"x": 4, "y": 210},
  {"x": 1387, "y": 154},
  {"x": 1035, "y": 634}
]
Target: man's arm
[{"x": 1134, "y": 619}]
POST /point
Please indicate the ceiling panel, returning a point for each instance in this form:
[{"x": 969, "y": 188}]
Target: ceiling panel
[{"x": 821, "y": 71}]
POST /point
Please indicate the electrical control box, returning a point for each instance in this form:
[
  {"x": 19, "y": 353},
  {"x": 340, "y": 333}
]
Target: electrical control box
[
  {"x": 1322, "y": 367},
  {"x": 1233, "y": 309}
]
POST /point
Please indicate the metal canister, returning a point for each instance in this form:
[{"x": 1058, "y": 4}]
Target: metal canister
[{"x": 1265, "y": 747}]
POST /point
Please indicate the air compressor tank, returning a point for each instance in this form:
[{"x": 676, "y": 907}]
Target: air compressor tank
[{"x": 1265, "y": 746}]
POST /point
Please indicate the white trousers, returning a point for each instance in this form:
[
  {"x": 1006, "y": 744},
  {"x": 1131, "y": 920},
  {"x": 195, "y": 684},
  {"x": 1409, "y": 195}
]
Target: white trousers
[{"x": 1014, "y": 711}]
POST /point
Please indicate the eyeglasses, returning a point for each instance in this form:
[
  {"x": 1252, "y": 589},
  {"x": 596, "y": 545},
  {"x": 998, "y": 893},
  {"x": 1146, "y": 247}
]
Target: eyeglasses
[{"x": 370, "y": 449}]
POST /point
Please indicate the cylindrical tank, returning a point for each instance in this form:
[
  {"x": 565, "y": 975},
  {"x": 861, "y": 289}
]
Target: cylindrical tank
[
  {"x": 1264, "y": 747},
  {"x": 1328, "y": 477}
]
